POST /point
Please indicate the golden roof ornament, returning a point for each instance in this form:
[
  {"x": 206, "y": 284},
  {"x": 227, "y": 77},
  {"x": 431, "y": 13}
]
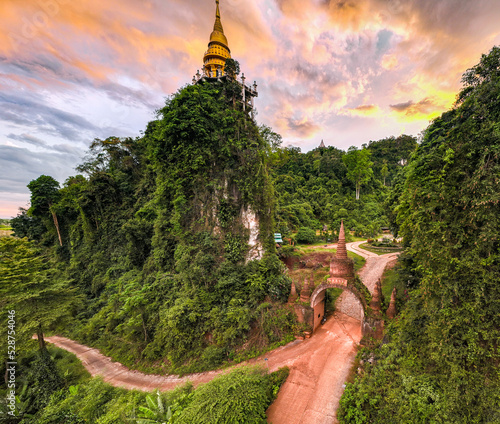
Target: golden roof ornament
[
  {"x": 214, "y": 64},
  {"x": 218, "y": 52},
  {"x": 218, "y": 32}
]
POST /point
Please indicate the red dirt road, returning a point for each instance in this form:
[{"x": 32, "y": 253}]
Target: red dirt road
[
  {"x": 293, "y": 354},
  {"x": 118, "y": 375},
  {"x": 312, "y": 392},
  {"x": 374, "y": 266},
  {"x": 319, "y": 366}
]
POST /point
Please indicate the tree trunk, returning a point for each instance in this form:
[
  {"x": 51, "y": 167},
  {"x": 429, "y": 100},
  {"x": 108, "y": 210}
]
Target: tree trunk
[
  {"x": 144, "y": 328},
  {"x": 357, "y": 191},
  {"x": 6, "y": 376},
  {"x": 41, "y": 341},
  {"x": 56, "y": 223}
]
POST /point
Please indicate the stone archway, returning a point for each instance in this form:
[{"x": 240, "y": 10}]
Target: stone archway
[
  {"x": 342, "y": 276},
  {"x": 318, "y": 296}
]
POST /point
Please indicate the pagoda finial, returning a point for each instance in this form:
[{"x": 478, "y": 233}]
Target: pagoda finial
[
  {"x": 341, "y": 249},
  {"x": 218, "y": 51},
  {"x": 375, "y": 303},
  {"x": 293, "y": 294},
  {"x": 218, "y": 23},
  {"x": 341, "y": 266},
  {"x": 305, "y": 292}
]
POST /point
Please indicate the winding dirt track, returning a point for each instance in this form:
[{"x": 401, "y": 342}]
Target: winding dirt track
[
  {"x": 312, "y": 392},
  {"x": 319, "y": 366}
]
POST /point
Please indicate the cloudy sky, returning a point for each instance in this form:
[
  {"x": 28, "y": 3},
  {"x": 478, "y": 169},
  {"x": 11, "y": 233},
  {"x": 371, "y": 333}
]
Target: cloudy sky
[{"x": 346, "y": 71}]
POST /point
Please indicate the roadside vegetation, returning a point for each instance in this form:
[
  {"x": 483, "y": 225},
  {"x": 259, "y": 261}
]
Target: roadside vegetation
[
  {"x": 59, "y": 390},
  {"x": 440, "y": 363},
  {"x": 382, "y": 246}
]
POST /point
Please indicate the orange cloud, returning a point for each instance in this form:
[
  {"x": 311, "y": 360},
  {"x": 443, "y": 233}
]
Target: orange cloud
[
  {"x": 389, "y": 62},
  {"x": 297, "y": 128},
  {"x": 425, "y": 109},
  {"x": 365, "y": 110}
]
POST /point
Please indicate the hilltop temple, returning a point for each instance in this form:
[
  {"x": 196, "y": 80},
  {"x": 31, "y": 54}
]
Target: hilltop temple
[
  {"x": 214, "y": 63},
  {"x": 214, "y": 59}
]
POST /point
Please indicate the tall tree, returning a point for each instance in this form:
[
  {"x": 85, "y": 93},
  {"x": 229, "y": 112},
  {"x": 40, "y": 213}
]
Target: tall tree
[
  {"x": 359, "y": 167},
  {"x": 232, "y": 88},
  {"x": 232, "y": 68},
  {"x": 29, "y": 287},
  {"x": 44, "y": 194},
  {"x": 24, "y": 225}
]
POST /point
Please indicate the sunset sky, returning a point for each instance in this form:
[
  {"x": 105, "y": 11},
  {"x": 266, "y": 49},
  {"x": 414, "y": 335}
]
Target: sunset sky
[{"x": 345, "y": 71}]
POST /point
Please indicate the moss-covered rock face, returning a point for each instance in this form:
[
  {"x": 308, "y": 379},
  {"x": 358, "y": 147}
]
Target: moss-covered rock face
[
  {"x": 212, "y": 173},
  {"x": 170, "y": 238}
]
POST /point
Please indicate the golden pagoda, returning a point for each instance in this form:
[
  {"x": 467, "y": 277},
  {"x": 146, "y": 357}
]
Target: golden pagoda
[
  {"x": 214, "y": 61},
  {"x": 218, "y": 51}
]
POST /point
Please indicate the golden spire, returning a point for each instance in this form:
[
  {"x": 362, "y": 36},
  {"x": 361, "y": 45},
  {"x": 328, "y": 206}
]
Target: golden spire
[
  {"x": 218, "y": 23},
  {"x": 218, "y": 51},
  {"x": 218, "y": 32}
]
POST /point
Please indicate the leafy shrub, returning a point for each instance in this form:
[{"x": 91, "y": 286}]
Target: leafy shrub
[
  {"x": 239, "y": 397},
  {"x": 42, "y": 380},
  {"x": 273, "y": 323},
  {"x": 98, "y": 402},
  {"x": 306, "y": 235},
  {"x": 287, "y": 251},
  {"x": 384, "y": 243},
  {"x": 277, "y": 380}
]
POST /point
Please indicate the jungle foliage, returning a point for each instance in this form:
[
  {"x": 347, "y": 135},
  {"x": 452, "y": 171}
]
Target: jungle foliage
[
  {"x": 154, "y": 235},
  {"x": 442, "y": 365},
  {"x": 242, "y": 395},
  {"x": 319, "y": 187},
  {"x": 146, "y": 253}
]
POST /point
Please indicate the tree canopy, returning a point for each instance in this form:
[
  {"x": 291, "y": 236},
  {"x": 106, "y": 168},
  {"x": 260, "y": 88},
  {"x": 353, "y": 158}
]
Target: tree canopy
[
  {"x": 29, "y": 287},
  {"x": 359, "y": 167}
]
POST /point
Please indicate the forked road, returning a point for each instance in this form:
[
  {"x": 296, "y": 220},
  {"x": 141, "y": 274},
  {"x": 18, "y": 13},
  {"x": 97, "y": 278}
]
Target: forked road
[
  {"x": 312, "y": 392},
  {"x": 318, "y": 366},
  {"x": 374, "y": 266}
]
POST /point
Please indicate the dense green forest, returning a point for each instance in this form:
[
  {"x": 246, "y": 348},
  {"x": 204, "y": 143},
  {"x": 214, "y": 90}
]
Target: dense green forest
[
  {"x": 145, "y": 254},
  {"x": 160, "y": 252},
  {"x": 153, "y": 237},
  {"x": 316, "y": 188},
  {"x": 154, "y": 240},
  {"x": 441, "y": 364}
]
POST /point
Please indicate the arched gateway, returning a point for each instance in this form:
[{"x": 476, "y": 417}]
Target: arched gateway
[
  {"x": 317, "y": 300},
  {"x": 342, "y": 276}
]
